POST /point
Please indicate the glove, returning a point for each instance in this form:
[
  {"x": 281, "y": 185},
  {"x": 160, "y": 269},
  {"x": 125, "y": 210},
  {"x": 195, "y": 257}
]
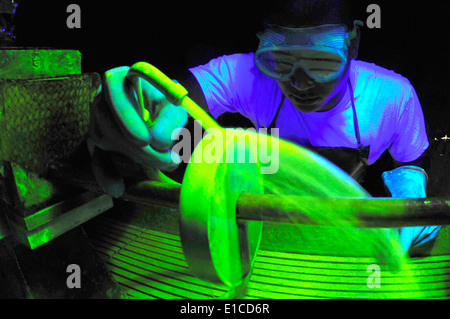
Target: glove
[
  {"x": 410, "y": 182},
  {"x": 117, "y": 126}
]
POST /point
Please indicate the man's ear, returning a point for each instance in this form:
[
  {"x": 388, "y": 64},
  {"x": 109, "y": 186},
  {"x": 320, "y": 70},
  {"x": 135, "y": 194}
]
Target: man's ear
[{"x": 354, "y": 44}]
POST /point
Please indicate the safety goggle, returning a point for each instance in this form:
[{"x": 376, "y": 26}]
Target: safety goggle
[{"x": 321, "y": 52}]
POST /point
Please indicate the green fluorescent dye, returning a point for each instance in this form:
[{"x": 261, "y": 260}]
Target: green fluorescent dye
[
  {"x": 303, "y": 173},
  {"x": 32, "y": 189},
  {"x": 40, "y": 238},
  {"x": 150, "y": 264}
]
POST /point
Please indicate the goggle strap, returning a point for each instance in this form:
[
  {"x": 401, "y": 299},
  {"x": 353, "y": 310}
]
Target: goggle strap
[{"x": 353, "y": 32}]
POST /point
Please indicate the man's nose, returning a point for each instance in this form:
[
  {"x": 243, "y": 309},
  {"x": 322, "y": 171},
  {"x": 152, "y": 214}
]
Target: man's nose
[{"x": 301, "y": 81}]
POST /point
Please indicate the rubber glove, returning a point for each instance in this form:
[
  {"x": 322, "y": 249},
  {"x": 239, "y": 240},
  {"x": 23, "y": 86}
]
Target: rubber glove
[
  {"x": 410, "y": 182},
  {"x": 117, "y": 125}
]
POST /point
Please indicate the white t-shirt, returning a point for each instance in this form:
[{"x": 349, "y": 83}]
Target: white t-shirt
[{"x": 388, "y": 109}]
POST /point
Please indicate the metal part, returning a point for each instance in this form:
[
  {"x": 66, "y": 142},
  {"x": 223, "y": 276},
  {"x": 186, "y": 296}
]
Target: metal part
[
  {"x": 44, "y": 108},
  {"x": 142, "y": 192},
  {"x": 52, "y": 222},
  {"x": 358, "y": 212},
  {"x": 217, "y": 248},
  {"x": 30, "y": 63},
  {"x": 290, "y": 209}
]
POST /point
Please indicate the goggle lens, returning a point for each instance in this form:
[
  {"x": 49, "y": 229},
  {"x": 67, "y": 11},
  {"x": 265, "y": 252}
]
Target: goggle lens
[{"x": 318, "y": 64}]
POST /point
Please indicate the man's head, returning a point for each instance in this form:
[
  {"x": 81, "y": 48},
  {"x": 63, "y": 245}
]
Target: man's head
[
  {"x": 307, "y": 13},
  {"x": 307, "y": 47}
]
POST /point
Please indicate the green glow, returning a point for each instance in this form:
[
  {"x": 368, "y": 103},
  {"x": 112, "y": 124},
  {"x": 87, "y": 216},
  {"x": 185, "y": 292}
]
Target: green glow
[
  {"x": 306, "y": 174},
  {"x": 39, "y": 238},
  {"x": 150, "y": 264},
  {"x": 24, "y": 63},
  {"x": 32, "y": 189}
]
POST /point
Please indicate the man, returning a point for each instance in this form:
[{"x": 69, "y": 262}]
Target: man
[{"x": 303, "y": 79}]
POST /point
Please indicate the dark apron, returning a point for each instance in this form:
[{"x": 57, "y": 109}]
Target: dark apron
[{"x": 353, "y": 161}]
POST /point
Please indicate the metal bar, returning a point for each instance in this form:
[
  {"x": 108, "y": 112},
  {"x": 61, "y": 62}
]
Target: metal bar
[
  {"x": 143, "y": 192},
  {"x": 350, "y": 212},
  {"x": 50, "y": 213},
  {"x": 343, "y": 212},
  {"x": 63, "y": 223},
  {"x": 154, "y": 193}
]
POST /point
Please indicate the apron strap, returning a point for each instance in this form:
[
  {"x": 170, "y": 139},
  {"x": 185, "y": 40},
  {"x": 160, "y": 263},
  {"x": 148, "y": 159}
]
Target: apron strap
[
  {"x": 363, "y": 150},
  {"x": 273, "y": 124},
  {"x": 355, "y": 117}
]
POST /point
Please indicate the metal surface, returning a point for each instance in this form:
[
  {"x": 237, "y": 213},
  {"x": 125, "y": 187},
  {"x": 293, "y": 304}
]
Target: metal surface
[
  {"x": 53, "y": 222},
  {"x": 27, "y": 63},
  {"x": 367, "y": 212},
  {"x": 53, "y": 212},
  {"x": 218, "y": 248},
  {"x": 150, "y": 264},
  {"x": 21, "y": 72},
  {"x": 142, "y": 192},
  {"x": 44, "y": 122}
]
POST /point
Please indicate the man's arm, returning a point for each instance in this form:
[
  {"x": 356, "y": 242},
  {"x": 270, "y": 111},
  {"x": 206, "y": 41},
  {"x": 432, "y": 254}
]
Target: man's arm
[{"x": 409, "y": 178}]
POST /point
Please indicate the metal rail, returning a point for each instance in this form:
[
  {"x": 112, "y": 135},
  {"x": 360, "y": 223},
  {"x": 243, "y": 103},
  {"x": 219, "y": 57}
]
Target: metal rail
[{"x": 350, "y": 212}]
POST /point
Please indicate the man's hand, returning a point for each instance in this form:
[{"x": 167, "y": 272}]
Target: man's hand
[
  {"x": 117, "y": 125},
  {"x": 410, "y": 182}
]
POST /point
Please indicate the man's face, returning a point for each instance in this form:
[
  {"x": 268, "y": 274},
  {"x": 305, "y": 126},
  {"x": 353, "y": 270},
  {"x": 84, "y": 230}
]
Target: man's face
[
  {"x": 308, "y": 95},
  {"x": 311, "y": 64}
]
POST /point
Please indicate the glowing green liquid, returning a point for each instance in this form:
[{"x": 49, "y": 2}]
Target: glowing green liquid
[{"x": 304, "y": 173}]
